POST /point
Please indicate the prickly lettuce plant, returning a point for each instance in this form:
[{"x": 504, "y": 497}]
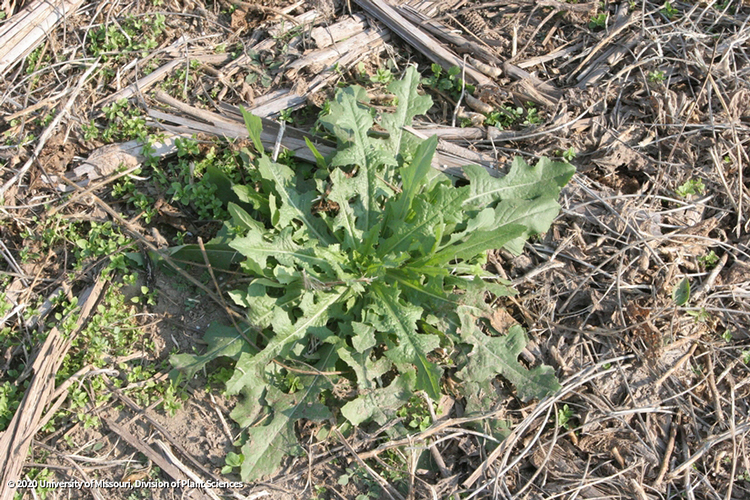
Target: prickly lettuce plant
[{"x": 368, "y": 280}]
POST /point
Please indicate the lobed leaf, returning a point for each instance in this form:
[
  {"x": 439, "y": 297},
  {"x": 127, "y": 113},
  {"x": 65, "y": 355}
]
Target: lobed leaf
[
  {"x": 413, "y": 177},
  {"x": 410, "y": 104},
  {"x": 422, "y": 232},
  {"x": 222, "y": 341},
  {"x": 394, "y": 316},
  {"x": 350, "y": 121},
  {"x": 380, "y": 405},
  {"x": 285, "y": 251},
  {"x": 254, "y": 126},
  {"x": 477, "y": 242},
  {"x": 523, "y": 182},
  {"x": 492, "y": 356},
  {"x": 268, "y": 444},
  {"x": 315, "y": 307},
  {"x": 294, "y": 205}
]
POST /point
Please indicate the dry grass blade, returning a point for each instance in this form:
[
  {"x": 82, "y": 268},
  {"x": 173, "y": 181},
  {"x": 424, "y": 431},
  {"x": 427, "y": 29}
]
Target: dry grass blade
[
  {"x": 49, "y": 130},
  {"x": 392, "y": 493},
  {"x": 424, "y": 43},
  {"x": 172, "y": 470},
  {"x": 25, "y": 30},
  {"x": 16, "y": 439}
]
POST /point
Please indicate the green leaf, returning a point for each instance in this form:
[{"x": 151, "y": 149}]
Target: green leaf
[
  {"x": 413, "y": 176},
  {"x": 537, "y": 215},
  {"x": 681, "y": 293},
  {"x": 254, "y": 126},
  {"x": 249, "y": 369},
  {"x": 441, "y": 206},
  {"x": 243, "y": 219},
  {"x": 319, "y": 160},
  {"x": 380, "y": 405},
  {"x": 523, "y": 181},
  {"x": 259, "y": 304},
  {"x": 364, "y": 337},
  {"x": 220, "y": 256},
  {"x": 350, "y": 121},
  {"x": 233, "y": 459},
  {"x": 268, "y": 444},
  {"x": 249, "y": 197},
  {"x": 476, "y": 243},
  {"x": 250, "y": 406},
  {"x": 410, "y": 104},
  {"x": 412, "y": 348},
  {"x": 223, "y": 184},
  {"x": 222, "y": 341},
  {"x": 295, "y": 205},
  {"x": 344, "y": 189},
  {"x": 285, "y": 251},
  {"x": 491, "y": 356},
  {"x": 366, "y": 369}
]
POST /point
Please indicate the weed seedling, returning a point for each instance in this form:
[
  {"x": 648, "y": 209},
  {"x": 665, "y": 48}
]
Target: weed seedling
[
  {"x": 147, "y": 297},
  {"x": 598, "y": 21},
  {"x": 504, "y": 117},
  {"x": 132, "y": 34},
  {"x": 691, "y": 187},
  {"x": 232, "y": 461},
  {"x": 450, "y": 83},
  {"x": 709, "y": 260},
  {"x": 382, "y": 76},
  {"x": 669, "y": 10},
  {"x": 10, "y": 398},
  {"x": 564, "y": 415},
  {"x": 656, "y": 76},
  {"x": 699, "y": 315},
  {"x": 532, "y": 115},
  {"x": 415, "y": 414},
  {"x": 125, "y": 122},
  {"x": 371, "y": 264},
  {"x": 172, "y": 401}
]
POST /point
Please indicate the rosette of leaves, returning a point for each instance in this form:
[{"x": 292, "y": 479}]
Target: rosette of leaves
[{"x": 383, "y": 287}]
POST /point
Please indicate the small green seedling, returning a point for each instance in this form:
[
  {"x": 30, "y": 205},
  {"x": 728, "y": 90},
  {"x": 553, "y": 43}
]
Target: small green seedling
[
  {"x": 681, "y": 293},
  {"x": 656, "y": 76},
  {"x": 699, "y": 315},
  {"x": 504, "y": 117},
  {"x": 691, "y": 187},
  {"x": 532, "y": 115},
  {"x": 232, "y": 461},
  {"x": 709, "y": 260},
  {"x": 450, "y": 82},
  {"x": 569, "y": 154},
  {"x": 564, "y": 415},
  {"x": 10, "y": 398},
  {"x": 382, "y": 76},
  {"x": 598, "y": 21},
  {"x": 669, "y": 10},
  {"x": 147, "y": 297}
]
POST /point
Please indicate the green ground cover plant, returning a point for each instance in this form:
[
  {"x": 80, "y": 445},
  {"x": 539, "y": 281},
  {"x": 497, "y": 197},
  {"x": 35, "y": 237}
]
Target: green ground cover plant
[
  {"x": 449, "y": 81},
  {"x": 368, "y": 283},
  {"x": 129, "y": 36}
]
